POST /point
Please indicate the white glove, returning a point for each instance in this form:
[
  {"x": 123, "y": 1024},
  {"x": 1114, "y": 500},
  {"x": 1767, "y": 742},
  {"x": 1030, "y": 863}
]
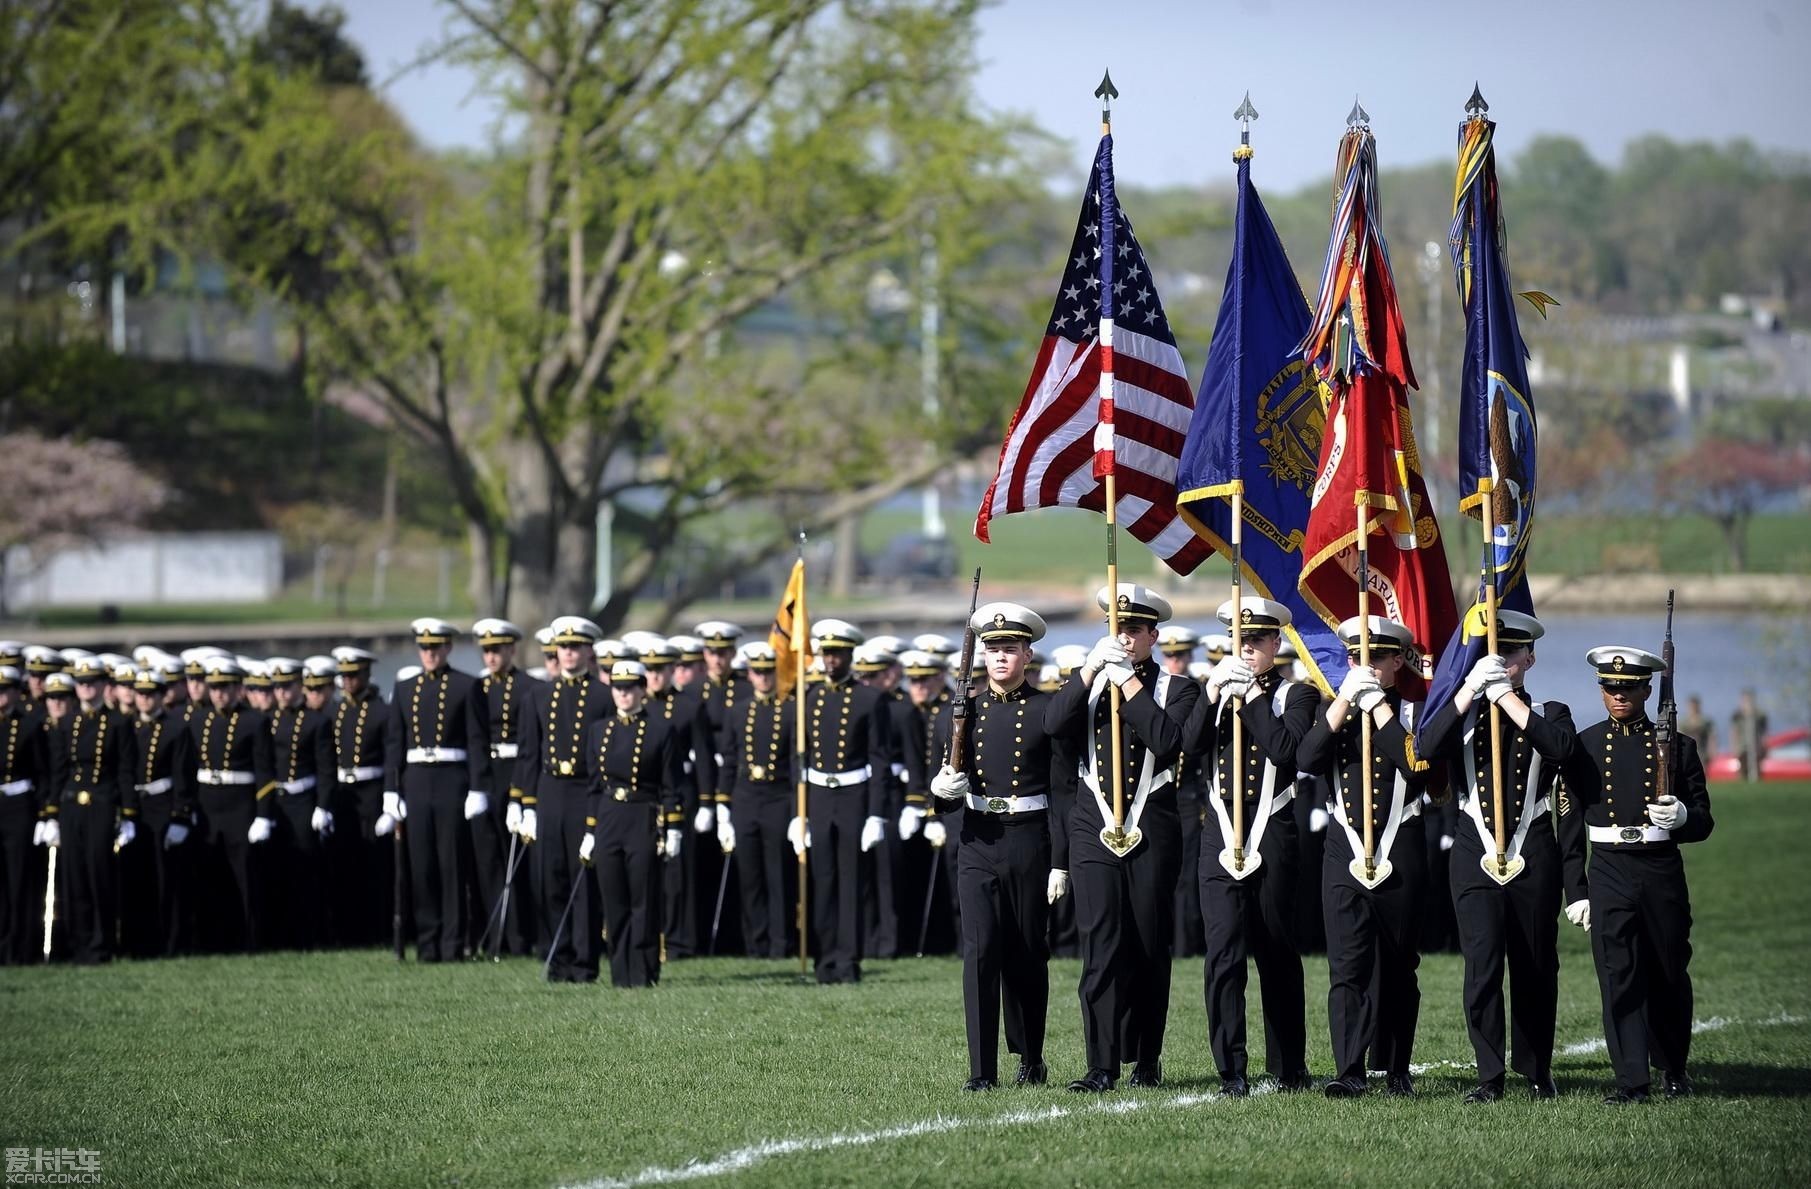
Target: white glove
[
  {"x": 910, "y": 818},
  {"x": 260, "y": 831},
  {"x": 476, "y": 803},
  {"x": 394, "y": 807},
  {"x": 1057, "y": 886},
  {"x": 798, "y": 835},
  {"x": 37, "y": 833},
  {"x": 321, "y": 822},
  {"x": 176, "y": 835},
  {"x": 949, "y": 784},
  {"x": 527, "y": 829},
  {"x": 1668, "y": 814},
  {"x": 512, "y": 817},
  {"x": 722, "y": 815},
  {"x": 1228, "y": 672},
  {"x": 936, "y": 833},
  {"x": 53, "y": 833},
  {"x": 706, "y": 818},
  {"x": 586, "y": 846},
  {"x": 726, "y": 833},
  {"x": 1106, "y": 651},
  {"x": 127, "y": 832},
  {"x": 1446, "y": 842},
  {"x": 1496, "y": 691},
  {"x": 674, "y": 837},
  {"x": 385, "y": 823},
  {"x": 1358, "y": 679},
  {"x": 1317, "y": 819},
  {"x": 1490, "y": 667},
  {"x": 1579, "y": 913},
  {"x": 1371, "y": 699},
  {"x": 872, "y": 831}
]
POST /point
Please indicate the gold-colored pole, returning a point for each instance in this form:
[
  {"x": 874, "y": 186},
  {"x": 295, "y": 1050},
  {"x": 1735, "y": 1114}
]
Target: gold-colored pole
[
  {"x": 1238, "y": 703},
  {"x": 800, "y": 690},
  {"x": 1364, "y": 659},
  {"x": 1490, "y": 637}
]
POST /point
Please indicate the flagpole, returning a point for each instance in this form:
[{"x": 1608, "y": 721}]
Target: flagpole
[
  {"x": 1238, "y": 702},
  {"x": 1364, "y": 659},
  {"x": 1485, "y": 502},
  {"x": 800, "y": 622},
  {"x": 1106, "y": 92}
]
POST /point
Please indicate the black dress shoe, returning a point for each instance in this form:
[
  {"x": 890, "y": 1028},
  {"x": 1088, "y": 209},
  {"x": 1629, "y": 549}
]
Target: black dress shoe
[
  {"x": 975, "y": 1084},
  {"x": 1345, "y": 1088},
  {"x": 1098, "y": 1081},
  {"x": 1295, "y": 1083},
  {"x": 1031, "y": 1073},
  {"x": 1235, "y": 1086},
  {"x": 1147, "y": 1073},
  {"x": 1678, "y": 1085},
  {"x": 1542, "y": 1088},
  {"x": 1484, "y": 1092},
  {"x": 1622, "y": 1097},
  {"x": 1400, "y": 1086}
]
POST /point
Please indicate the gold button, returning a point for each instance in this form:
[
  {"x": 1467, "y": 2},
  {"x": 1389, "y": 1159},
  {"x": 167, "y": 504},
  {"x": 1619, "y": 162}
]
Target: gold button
[{"x": 82, "y": 798}]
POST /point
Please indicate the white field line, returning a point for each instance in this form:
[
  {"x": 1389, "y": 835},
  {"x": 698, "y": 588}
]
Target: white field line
[{"x": 740, "y": 1159}]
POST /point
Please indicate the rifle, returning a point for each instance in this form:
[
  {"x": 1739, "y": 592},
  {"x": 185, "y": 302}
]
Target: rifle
[
  {"x": 1666, "y": 717},
  {"x": 958, "y": 753}
]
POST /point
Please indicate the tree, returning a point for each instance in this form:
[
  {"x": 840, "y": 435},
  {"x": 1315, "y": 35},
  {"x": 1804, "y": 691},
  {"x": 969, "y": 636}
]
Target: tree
[
  {"x": 657, "y": 294},
  {"x": 72, "y": 493},
  {"x": 1729, "y": 480}
]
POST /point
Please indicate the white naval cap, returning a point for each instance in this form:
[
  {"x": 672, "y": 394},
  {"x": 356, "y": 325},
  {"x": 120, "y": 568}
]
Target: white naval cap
[
  {"x": 1135, "y": 601},
  {"x": 492, "y": 632},
  {"x": 836, "y": 633},
  {"x": 1256, "y": 612},
  {"x": 758, "y": 655},
  {"x": 1619, "y": 664},
  {"x": 1176, "y": 640},
  {"x": 935, "y": 642},
  {"x": 919, "y": 662},
  {"x": 628, "y": 672},
  {"x": 718, "y": 633},
  {"x": 1069, "y": 657},
  {"x": 1386, "y": 635},
  {"x": 430, "y": 630},
  {"x": 1006, "y": 621},
  {"x": 575, "y": 631}
]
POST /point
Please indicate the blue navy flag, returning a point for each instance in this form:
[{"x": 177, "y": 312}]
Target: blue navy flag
[
  {"x": 1496, "y": 408},
  {"x": 1259, "y": 418}
]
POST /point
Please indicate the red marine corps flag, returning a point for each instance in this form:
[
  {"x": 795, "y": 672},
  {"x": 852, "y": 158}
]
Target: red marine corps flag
[
  {"x": 1109, "y": 394},
  {"x": 1370, "y": 469}
]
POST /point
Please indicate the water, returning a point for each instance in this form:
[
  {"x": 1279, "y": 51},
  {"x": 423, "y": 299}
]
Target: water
[{"x": 1717, "y": 657}]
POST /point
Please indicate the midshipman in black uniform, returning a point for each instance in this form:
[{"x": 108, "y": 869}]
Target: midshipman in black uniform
[
  {"x": 1639, "y": 912},
  {"x": 757, "y": 770}
]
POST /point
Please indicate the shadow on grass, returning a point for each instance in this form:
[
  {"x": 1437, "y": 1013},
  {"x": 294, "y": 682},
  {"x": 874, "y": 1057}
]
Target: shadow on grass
[{"x": 1733, "y": 1079}]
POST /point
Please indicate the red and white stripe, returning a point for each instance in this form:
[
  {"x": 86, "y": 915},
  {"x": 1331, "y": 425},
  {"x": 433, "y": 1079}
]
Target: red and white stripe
[{"x": 1121, "y": 405}]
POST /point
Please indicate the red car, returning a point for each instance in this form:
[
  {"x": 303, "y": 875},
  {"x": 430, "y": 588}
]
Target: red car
[{"x": 1788, "y": 758}]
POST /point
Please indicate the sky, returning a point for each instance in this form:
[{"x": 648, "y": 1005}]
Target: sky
[{"x": 1605, "y": 71}]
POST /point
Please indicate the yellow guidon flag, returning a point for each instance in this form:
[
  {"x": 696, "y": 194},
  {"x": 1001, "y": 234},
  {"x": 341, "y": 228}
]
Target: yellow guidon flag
[{"x": 790, "y": 634}]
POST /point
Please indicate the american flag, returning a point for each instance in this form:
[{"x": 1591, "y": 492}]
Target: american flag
[{"x": 1080, "y": 421}]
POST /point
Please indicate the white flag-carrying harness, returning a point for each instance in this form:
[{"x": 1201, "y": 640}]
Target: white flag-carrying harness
[
  {"x": 1533, "y": 806},
  {"x": 1149, "y": 779},
  {"x": 1268, "y": 800}
]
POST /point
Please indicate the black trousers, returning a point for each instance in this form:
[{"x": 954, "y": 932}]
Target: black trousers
[
  {"x": 489, "y": 842},
  {"x": 628, "y": 882},
  {"x": 434, "y": 835},
  {"x": 679, "y": 882},
  {"x": 1124, "y": 917},
  {"x": 763, "y": 859},
  {"x": 157, "y": 909},
  {"x": 836, "y": 817},
  {"x": 1003, "y": 872},
  {"x": 297, "y": 864},
  {"x": 1191, "y": 937},
  {"x": 1252, "y": 918},
  {"x": 360, "y": 871},
  {"x": 90, "y": 877},
  {"x": 1515, "y": 925},
  {"x": 1306, "y": 928},
  {"x": 1373, "y": 995},
  {"x": 232, "y": 881},
  {"x": 559, "y": 831},
  {"x": 1641, "y": 925},
  {"x": 19, "y": 892},
  {"x": 880, "y": 905},
  {"x": 1439, "y": 929}
]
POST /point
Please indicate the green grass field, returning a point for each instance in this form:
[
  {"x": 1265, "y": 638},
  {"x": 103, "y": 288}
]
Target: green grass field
[{"x": 347, "y": 1069}]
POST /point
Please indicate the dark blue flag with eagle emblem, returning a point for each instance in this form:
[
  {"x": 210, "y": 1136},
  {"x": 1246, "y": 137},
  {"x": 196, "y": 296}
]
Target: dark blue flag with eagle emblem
[
  {"x": 1496, "y": 406},
  {"x": 1257, "y": 429}
]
